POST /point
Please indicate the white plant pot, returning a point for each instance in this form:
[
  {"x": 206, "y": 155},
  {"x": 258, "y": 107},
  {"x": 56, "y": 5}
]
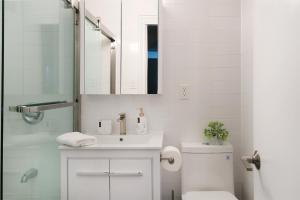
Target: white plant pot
[{"x": 215, "y": 141}]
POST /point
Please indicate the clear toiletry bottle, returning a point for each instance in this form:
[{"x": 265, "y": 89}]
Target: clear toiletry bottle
[{"x": 141, "y": 123}]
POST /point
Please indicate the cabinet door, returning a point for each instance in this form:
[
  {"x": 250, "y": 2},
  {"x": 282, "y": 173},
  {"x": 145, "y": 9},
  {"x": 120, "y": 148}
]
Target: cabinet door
[
  {"x": 88, "y": 179},
  {"x": 131, "y": 179}
]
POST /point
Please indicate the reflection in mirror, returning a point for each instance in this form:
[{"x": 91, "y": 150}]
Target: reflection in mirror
[
  {"x": 152, "y": 73},
  {"x": 99, "y": 57},
  {"x": 139, "y": 30},
  {"x": 128, "y": 64}
]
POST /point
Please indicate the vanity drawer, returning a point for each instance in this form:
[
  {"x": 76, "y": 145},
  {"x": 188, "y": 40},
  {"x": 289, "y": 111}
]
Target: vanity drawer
[
  {"x": 131, "y": 178},
  {"x": 88, "y": 179}
]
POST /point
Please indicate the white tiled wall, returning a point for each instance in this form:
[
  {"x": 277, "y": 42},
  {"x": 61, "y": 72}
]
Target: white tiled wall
[{"x": 201, "y": 48}]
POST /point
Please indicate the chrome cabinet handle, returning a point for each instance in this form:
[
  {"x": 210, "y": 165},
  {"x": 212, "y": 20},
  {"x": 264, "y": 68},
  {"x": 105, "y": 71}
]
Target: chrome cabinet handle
[
  {"x": 92, "y": 173},
  {"x": 40, "y": 107},
  {"x": 96, "y": 173},
  {"x": 126, "y": 174},
  {"x": 254, "y": 159}
]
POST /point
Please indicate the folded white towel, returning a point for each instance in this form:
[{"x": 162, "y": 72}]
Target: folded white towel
[{"x": 76, "y": 139}]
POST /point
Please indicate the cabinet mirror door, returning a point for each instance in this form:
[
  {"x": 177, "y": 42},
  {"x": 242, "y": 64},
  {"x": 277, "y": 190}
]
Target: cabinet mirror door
[{"x": 121, "y": 47}]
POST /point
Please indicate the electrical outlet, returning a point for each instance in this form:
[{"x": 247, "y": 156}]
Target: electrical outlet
[{"x": 184, "y": 92}]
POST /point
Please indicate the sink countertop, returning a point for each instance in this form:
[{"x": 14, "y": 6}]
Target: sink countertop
[{"x": 151, "y": 141}]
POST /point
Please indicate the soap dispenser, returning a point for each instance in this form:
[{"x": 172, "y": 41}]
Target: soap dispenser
[{"x": 142, "y": 127}]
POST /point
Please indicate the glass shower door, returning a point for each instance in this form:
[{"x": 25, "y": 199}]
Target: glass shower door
[{"x": 38, "y": 95}]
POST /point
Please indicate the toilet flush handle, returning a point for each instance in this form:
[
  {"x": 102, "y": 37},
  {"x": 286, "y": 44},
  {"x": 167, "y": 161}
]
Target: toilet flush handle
[{"x": 255, "y": 160}]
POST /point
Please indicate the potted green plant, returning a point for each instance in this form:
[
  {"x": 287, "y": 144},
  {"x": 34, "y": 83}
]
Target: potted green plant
[{"x": 216, "y": 133}]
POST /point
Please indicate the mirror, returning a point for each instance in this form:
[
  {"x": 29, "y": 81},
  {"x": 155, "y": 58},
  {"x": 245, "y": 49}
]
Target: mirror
[{"x": 121, "y": 49}]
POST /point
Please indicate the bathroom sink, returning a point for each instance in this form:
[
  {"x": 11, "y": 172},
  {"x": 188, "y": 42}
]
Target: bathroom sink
[
  {"x": 152, "y": 140},
  {"x": 124, "y": 139}
]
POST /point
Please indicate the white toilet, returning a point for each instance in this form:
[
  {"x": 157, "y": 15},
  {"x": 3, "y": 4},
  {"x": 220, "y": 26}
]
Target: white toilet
[{"x": 207, "y": 172}]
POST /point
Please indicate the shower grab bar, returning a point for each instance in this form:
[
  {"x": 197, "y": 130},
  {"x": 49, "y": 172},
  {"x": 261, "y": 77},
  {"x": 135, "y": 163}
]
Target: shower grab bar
[{"x": 40, "y": 107}]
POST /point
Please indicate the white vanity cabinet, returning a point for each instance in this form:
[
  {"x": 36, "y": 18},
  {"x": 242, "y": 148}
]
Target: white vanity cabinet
[
  {"x": 104, "y": 174},
  {"x": 88, "y": 179},
  {"x": 131, "y": 179}
]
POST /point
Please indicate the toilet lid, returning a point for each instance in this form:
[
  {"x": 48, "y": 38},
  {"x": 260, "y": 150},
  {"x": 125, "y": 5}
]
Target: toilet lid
[{"x": 208, "y": 195}]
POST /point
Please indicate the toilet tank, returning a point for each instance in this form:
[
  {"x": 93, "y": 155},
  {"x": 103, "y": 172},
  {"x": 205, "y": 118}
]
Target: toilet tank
[{"x": 207, "y": 167}]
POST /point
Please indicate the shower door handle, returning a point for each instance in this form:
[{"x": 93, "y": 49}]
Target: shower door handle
[
  {"x": 34, "y": 113},
  {"x": 40, "y": 107}
]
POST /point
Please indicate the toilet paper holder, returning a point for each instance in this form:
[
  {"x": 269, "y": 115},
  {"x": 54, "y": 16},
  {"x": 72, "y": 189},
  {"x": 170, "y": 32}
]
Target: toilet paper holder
[{"x": 171, "y": 160}]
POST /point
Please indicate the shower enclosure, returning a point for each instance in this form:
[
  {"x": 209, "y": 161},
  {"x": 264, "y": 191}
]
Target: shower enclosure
[{"x": 38, "y": 95}]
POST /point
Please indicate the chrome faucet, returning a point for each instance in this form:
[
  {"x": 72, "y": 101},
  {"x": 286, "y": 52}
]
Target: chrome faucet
[{"x": 122, "y": 120}]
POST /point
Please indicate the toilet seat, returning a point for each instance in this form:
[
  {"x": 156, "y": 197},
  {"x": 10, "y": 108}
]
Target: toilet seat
[{"x": 208, "y": 195}]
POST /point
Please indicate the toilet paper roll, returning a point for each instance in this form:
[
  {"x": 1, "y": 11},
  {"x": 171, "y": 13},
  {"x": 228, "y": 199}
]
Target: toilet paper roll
[{"x": 171, "y": 152}]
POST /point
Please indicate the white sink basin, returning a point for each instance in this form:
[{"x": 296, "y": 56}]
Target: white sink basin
[
  {"x": 152, "y": 140},
  {"x": 124, "y": 139}
]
